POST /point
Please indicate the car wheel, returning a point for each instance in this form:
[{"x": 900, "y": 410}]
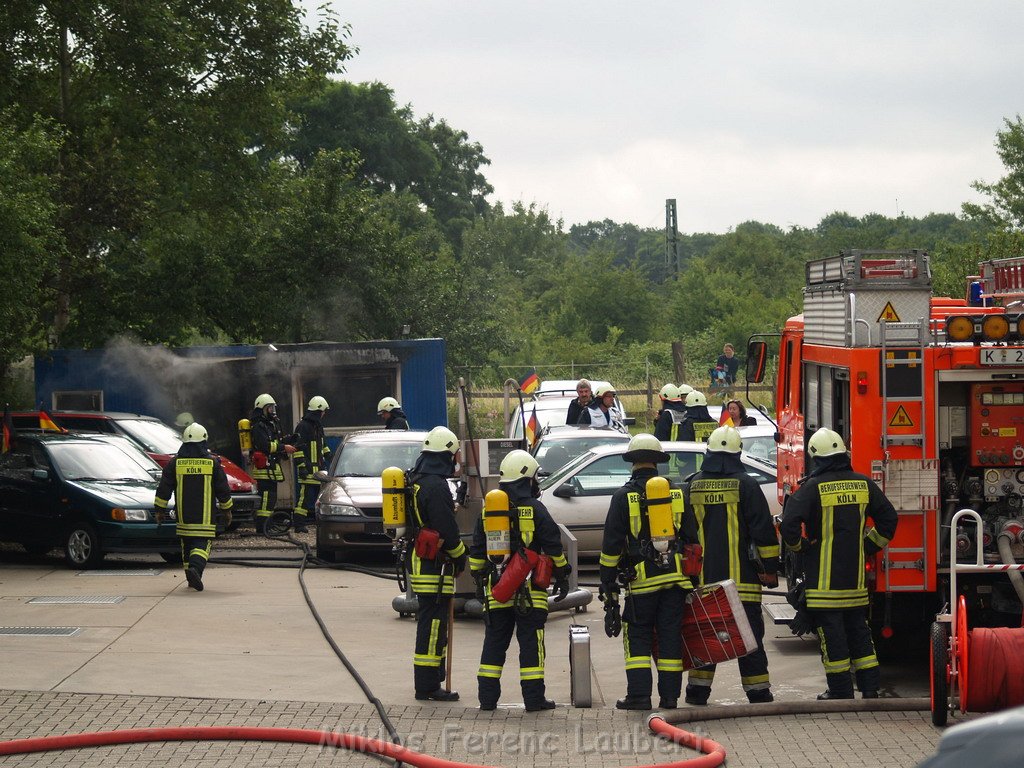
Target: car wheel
[{"x": 82, "y": 546}]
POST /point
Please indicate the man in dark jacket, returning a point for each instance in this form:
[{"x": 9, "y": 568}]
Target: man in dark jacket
[
  {"x": 739, "y": 543},
  {"x": 311, "y": 455},
  {"x": 698, "y": 424},
  {"x": 432, "y": 574},
  {"x": 530, "y": 527},
  {"x": 826, "y": 520},
  {"x": 391, "y": 413},
  {"x": 269, "y": 447},
  {"x": 670, "y": 417},
  {"x": 583, "y": 399},
  {"x": 655, "y": 583},
  {"x": 194, "y": 478}
]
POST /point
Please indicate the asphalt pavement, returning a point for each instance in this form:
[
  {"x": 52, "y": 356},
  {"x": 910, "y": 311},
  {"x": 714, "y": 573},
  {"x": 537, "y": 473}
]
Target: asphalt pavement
[{"x": 132, "y": 646}]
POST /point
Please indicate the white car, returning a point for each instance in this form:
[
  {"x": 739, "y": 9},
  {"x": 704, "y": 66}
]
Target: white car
[
  {"x": 578, "y": 494},
  {"x": 551, "y": 401},
  {"x": 557, "y": 446},
  {"x": 759, "y": 441}
]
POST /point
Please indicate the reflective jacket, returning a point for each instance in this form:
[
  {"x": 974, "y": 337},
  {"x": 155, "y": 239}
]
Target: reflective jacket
[
  {"x": 627, "y": 536},
  {"x": 596, "y": 416},
  {"x": 733, "y": 517},
  {"x": 669, "y": 421},
  {"x": 266, "y": 439},
  {"x": 832, "y": 507},
  {"x": 433, "y": 507},
  {"x": 195, "y": 478},
  {"x": 698, "y": 424},
  {"x": 311, "y": 450},
  {"x": 532, "y": 528}
]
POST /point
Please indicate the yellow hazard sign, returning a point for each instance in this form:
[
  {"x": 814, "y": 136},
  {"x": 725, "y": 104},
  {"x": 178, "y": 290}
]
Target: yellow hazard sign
[
  {"x": 888, "y": 314},
  {"x": 901, "y": 418}
]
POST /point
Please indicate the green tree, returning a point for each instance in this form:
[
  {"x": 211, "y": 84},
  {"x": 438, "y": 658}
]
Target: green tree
[{"x": 1006, "y": 196}]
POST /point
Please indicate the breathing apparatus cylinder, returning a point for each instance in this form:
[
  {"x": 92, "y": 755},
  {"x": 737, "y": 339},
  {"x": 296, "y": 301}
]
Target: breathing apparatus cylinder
[
  {"x": 392, "y": 482},
  {"x": 497, "y": 526},
  {"x": 245, "y": 435},
  {"x": 659, "y": 514}
]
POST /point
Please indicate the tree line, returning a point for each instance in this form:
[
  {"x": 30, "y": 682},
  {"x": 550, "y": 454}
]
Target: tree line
[{"x": 184, "y": 173}]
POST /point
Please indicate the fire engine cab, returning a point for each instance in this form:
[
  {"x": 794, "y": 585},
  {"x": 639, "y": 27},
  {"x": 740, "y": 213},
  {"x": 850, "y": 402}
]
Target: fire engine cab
[{"x": 928, "y": 393}]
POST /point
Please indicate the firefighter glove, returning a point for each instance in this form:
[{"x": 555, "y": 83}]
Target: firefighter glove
[
  {"x": 480, "y": 577},
  {"x": 612, "y": 618},
  {"x": 770, "y": 580},
  {"x": 609, "y": 592},
  {"x": 561, "y": 587},
  {"x": 801, "y": 624},
  {"x": 460, "y": 492},
  {"x": 459, "y": 563},
  {"x": 870, "y": 548}
]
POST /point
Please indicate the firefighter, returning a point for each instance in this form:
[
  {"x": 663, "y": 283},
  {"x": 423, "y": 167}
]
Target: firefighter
[
  {"x": 530, "y": 527},
  {"x": 739, "y": 542},
  {"x": 652, "y": 572},
  {"x": 195, "y": 478},
  {"x": 391, "y": 414},
  {"x": 826, "y": 521},
  {"x": 436, "y": 559},
  {"x": 311, "y": 455},
  {"x": 666, "y": 427},
  {"x": 698, "y": 424},
  {"x": 268, "y": 447}
]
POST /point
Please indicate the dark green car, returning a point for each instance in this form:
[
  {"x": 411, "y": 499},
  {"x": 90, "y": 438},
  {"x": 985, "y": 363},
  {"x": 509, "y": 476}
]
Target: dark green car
[{"x": 84, "y": 495}]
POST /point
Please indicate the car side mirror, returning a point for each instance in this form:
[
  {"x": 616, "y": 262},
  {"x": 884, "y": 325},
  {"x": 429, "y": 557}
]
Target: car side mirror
[
  {"x": 41, "y": 474},
  {"x": 322, "y": 476},
  {"x": 629, "y": 421},
  {"x": 564, "y": 491}
]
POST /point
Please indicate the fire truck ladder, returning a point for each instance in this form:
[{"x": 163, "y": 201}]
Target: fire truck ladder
[
  {"x": 1003, "y": 278},
  {"x": 902, "y": 331}
]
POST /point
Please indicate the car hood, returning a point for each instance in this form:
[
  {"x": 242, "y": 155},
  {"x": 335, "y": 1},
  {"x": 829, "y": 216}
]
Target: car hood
[
  {"x": 357, "y": 491},
  {"x": 119, "y": 494}
]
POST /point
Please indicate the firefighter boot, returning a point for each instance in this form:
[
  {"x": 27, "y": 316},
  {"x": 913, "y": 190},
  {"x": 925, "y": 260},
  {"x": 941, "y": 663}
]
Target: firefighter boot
[
  {"x": 299, "y": 522},
  {"x": 840, "y": 686},
  {"x": 194, "y": 578},
  {"x": 868, "y": 682},
  {"x": 761, "y": 696},
  {"x": 439, "y": 695},
  {"x": 488, "y": 691},
  {"x": 698, "y": 695},
  {"x": 533, "y": 696},
  {"x": 638, "y": 690}
]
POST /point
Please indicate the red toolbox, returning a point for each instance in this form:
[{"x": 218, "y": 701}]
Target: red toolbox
[{"x": 715, "y": 626}]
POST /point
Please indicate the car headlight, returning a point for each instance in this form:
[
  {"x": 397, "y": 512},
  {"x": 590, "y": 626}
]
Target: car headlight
[
  {"x": 130, "y": 515},
  {"x": 339, "y": 510}
]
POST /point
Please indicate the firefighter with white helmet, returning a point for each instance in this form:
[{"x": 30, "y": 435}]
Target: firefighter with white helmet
[
  {"x": 602, "y": 411},
  {"x": 698, "y": 424},
  {"x": 671, "y": 415},
  {"x": 739, "y": 542},
  {"x": 527, "y": 525},
  {"x": 195, "y": 478},
  {"x": 390, "y": 412},
  {"x": 826, "y": 520},
  {"x": 644, "y": 534},
  {"x": 436, "y": 559},
  {"x": 269, "y": 447},
  {"x": 311, "y": 455}
]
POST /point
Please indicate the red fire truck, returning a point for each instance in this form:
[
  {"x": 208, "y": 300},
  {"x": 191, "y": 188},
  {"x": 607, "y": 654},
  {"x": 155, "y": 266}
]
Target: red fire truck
[{"x": 928, "y": 393}]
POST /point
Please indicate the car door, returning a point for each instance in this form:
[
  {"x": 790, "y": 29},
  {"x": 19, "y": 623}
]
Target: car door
[
  {"x": 26, "y": 500},
  {"x": 591, "y": 487}
]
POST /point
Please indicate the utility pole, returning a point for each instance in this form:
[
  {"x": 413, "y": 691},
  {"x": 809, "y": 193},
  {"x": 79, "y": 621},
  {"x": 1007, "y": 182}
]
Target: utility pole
[{"x": 672, "y": 237}]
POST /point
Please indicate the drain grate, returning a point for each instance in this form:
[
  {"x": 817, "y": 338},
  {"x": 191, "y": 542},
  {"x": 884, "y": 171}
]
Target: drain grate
[
  {"x": 124, "y": 572},
  {"x": 81, "y": 600},
  {"x": 41, "y": 631}
]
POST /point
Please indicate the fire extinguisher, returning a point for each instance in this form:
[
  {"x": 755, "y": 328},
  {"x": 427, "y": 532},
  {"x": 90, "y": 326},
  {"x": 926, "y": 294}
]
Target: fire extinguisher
[
  {"x": 394, "y": 517},
  {"x": 660, "y": 518}
]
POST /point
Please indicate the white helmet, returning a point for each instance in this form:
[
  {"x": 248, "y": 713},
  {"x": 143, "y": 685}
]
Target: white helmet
[
  {"x": 725, "y": 440},
  {"x": 387, "y": 404},
  {"x": 695, "y": 398},
  {"x": 441, "y": 440},
  {"x": 194, "y": 433},
  {"x": 183, "y": 419},
  {"x": 669, "y": 392},
  {"x": 317, "y": 403},
  {"x": 684, "y": 390},
  {"x": 603, "y": 390},
  {"x": 516, "y": 465},
  {"x": 645, "y": 448},
  {"x": 264, "y": 400},
  {"x": 825, "y": 442}
]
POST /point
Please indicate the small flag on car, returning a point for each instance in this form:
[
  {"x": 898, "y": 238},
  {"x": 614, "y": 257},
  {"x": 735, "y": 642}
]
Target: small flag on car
[
  {"x": 47, "y": 423},
  {"x": 529, "y": 384},
  {"x": 532, "y": 427},
  {"x": 725, "y": 420},
  {"x": 7, "y": 432}
]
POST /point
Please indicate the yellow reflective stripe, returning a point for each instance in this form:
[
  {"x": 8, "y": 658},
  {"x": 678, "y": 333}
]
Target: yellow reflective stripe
[
  {"x": 435, "y": 628},
  {"x": 877, "y": 538},
  {"x": 634, "y": 513},
  {"x": 526, "y": 526},
  {"x": 477, "y": 563},
  {"x": 702, "y": 430},
  {"x": 197, "y": 530},
  {"x": 754, "y": 680},
  {"x": 669, "y": 665},
  {"x": 865, "y": 662},
  {"x": 540, "y": 648},
  {"x": 638, "y": 662},
  {"x": 795, "y": 547},
  {"x": 489, "y": 670},
  {"x": 701, "y": 677},
  {"x": 426, "y": 660},
  {"x": 531, "y": 673},
  {"x": 678, "y": 507},
  {"x": 559, "y": 561},
  {"x": 457, "y": 550},
  {"x": 769, "y": 551},
  {"x": 162, "y": 503},
  {"x": 609, "y": 561},
  {"x": 827, "y": 537},
  {"x": 226, "y": 504},
  {"x": 749, "y": 593}
]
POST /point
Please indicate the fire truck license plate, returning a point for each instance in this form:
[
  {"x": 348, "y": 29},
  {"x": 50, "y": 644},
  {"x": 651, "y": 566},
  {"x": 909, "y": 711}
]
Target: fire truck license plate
[{"x": 1002, "y": 356}]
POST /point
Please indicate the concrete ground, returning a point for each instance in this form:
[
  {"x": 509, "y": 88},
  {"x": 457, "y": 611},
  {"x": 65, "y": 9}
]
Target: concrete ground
[{"x": 247, "y": 651}]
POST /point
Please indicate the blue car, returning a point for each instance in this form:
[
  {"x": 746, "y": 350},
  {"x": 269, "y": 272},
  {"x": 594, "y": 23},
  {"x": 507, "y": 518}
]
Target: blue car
[{"x": 83, "y": 494}]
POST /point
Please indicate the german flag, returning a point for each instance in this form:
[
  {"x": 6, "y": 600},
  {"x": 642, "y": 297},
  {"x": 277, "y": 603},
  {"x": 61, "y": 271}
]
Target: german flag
[
  {"x": 530, "y": 383},
  {"x": 532, "y": 427},
  {"x": 725, "y": 420},
  {"x": 7, "y": 431},
  {"x": 47, "y": 423}
]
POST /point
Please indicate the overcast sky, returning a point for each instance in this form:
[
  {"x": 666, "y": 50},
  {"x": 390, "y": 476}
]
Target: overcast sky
[{"x": 780, "y": 112}]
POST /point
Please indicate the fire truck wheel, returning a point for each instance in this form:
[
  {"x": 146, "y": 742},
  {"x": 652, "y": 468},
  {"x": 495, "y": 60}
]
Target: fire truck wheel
[{"x": 939, "y": 667}]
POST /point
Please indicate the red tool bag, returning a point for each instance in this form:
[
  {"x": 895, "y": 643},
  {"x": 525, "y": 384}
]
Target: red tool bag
[
  {"x": 715, "y": 626},
  {"x": 428, "y": 544},
  {"x": 543, "y": 572},
  {"x": 693, "y": 559},
  {"x": 516, "y": 570},
  {"x": 260, "y": 460}
]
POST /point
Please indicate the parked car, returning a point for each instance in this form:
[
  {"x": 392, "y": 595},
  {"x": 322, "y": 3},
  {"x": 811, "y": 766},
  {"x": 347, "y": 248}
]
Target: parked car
[
  {"x": 578, "y": 494},
  {"x": 83, "y": 494},
  {"x": 156, "y": 438},
  {"x": 557, "y": 446},
  {"x": 349, "y": 508},
  {"x": 759, "y": 441},
  {"x": 552, "y": 406}
]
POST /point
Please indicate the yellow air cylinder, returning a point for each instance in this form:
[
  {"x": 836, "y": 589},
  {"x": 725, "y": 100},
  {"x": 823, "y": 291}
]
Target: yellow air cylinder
[
  {"x": 659, "y": 513},
  {"x": 497, "y": 526},
  {"x": 392, "y": 482},
  {"x": 245, "y": 434}
]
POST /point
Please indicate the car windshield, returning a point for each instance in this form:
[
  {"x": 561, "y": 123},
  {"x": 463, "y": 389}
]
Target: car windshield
[
  {"x": 761, "y": 447},
  {"x": 96, "y": 461},
  {"x": 154, "y": 436},
  {"x": 369, "y": 459},
  {"x": 555, "y": 453}
]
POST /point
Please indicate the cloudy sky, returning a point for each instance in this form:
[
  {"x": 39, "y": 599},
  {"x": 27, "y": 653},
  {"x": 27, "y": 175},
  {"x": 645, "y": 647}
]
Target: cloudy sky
[{"x": 781, "y": 112}]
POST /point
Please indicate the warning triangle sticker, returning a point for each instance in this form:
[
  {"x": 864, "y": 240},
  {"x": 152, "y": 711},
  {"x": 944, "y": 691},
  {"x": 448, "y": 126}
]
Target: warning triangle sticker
[
  {"x": 888, "y": 314},
  {"x": 901, "y": 418}
]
